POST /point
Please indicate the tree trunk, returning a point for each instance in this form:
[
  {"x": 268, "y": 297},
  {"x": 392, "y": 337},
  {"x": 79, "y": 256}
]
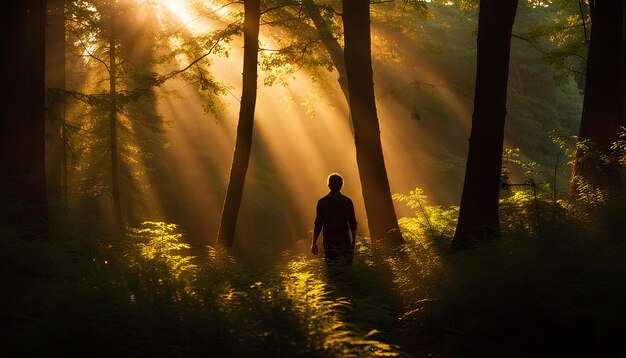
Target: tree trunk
[
  {"x": 332, "y": 47},
  {"x": 22, "y": 131},
  {"x": 382, "y": 220},
  {"x": 243, "y": 143},
  {"x": 479, "y": 215},
  {"x": 36, "y": 60},
  {"x": 56, "y": 165},
  {"x": 623, "y": 61},
  {"x": 115, "y": 176},
  {"x": 135, "y": 49},
  {"x": 603, "y": 112}
]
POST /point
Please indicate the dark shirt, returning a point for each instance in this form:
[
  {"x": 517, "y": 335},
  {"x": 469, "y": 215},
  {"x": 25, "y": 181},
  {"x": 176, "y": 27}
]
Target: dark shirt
[{"x": 335, "y": 215}]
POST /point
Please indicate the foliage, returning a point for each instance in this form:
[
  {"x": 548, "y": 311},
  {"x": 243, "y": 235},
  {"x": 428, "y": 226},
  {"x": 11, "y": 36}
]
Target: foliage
[
  {"x": 542, "y": 288},
  {"x": 150, "y": 49},
  {"x": 609, "y": 168},
  {"x": 147, "y": 296},
  {"x": 436, "y": 221},
  {"x": 568, "y": 27},
  {"x": 159, "y": 242}
]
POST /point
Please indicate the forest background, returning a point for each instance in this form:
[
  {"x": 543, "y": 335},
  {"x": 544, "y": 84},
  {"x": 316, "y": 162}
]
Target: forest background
[{"x": 133, "y": 257}]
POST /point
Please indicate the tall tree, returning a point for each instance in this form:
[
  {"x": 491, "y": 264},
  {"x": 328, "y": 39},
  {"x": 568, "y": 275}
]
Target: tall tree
[
  {"x": 243, "y": 143},
  {"x": 22, "y": 158},
  {"x": 382, "y": 220},
  {"x": 139, "y": 54},
  {"x": 624, "y": 60},
  {"x": 479, "y": 214},
  {"x": 118, "y": 51},
  {"x": 56, "y": 154},
  {"x": 113, "y": 113},
  {"x": 603, "y": 106}
]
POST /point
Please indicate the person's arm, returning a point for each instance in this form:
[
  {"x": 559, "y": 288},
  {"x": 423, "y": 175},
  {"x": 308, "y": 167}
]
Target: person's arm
[
  {"x": 314, "y": 248},
  {"x": 317, "y": 229},
  {"x": 352, "y": 223}
]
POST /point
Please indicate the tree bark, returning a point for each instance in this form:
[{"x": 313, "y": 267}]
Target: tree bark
[
  {"x": 330, "y": 42},
  {"x": 603, "y": 107},
  {"x": 479, "y": 214},
  {"x": 243, "y": 142},
  {"x": 332, "y": 47},
  {"x": 22, "y": 131},
  {"x": 623, "y": 61},
  {"x": 382, "y": 220}
]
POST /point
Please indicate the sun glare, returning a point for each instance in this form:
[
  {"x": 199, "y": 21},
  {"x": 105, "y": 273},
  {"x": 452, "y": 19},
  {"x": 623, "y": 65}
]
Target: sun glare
[
  {"x": 220, "y": 10},
  {"x": 187, "y": 14},
  {"x": 179, "y": 8}
]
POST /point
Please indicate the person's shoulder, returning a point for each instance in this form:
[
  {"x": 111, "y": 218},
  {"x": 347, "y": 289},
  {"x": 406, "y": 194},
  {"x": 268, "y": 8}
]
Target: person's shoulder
[{"x": 323, "y": 199}]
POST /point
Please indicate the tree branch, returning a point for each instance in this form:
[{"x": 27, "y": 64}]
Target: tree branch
[
  {"x": 164, "y": 78},
  {"x": 532, "y": 43},
  {"x": 90, "y": 54}
]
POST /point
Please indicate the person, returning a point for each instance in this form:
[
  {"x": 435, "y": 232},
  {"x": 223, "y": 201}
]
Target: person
[{"x": 336, "y": 219}]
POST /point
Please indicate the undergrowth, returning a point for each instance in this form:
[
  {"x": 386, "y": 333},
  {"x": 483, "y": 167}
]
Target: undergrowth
[
  {"x": 553, "y": 284},
  {"x": 144, "y": 295}
]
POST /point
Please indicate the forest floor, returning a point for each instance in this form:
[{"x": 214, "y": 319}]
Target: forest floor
[{"x": 560, "y": 294}]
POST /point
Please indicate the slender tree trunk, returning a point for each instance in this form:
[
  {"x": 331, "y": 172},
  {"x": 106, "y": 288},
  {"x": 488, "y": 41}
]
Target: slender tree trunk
[
  {"x": 135, "y": 47},
  {"x": 330, "y": 43},
  {"x": 22, "y": 131},
  {"x": 243, "y": 143},
  {"x": 56, "y": 166},
  {"x": 332, "y": 47},
  {"x": 382, "y": 220},
  {"x": 115, "y": 176},
  {"x": 479, "y": 215},
  {"x": 603, "y": 107}
]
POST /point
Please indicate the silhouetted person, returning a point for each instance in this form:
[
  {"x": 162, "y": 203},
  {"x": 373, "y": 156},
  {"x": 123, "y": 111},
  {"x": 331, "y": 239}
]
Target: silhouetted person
[{"x": 335, "y": 218}]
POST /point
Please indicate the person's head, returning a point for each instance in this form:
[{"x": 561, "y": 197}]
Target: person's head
[{"x": 335, "y": 182}]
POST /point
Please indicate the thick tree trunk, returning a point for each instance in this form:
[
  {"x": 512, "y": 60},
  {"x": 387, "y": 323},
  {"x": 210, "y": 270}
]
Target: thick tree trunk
[
  {"x": 36, "y": 61},
  {"x": 22, "y": 121},
  {"x": 479, "y": 215},
  {"x": 115, "y": 175},
  {"x": 332, "y": 47},
  {"x": 382, "y": 220},
  {"x": 603, "y": 112},
  {"x": 243, "y": 143},
  {"x": 56, "y": 165}
]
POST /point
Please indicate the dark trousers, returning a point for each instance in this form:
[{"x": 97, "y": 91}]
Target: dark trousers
[{"x": 338, "y": 251}]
